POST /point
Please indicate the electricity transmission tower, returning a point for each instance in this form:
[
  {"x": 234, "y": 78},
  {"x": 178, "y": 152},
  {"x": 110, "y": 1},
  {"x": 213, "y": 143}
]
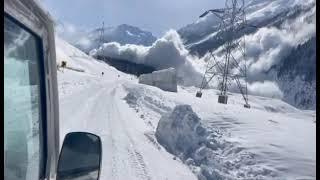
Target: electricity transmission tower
[
  {"x": 102, "y": 34},
  {"x": 230, "y": 67}
]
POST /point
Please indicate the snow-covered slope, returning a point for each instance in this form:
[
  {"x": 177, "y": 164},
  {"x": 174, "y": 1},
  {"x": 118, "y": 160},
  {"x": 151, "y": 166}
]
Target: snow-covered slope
[{"x": 272, "y": 140}]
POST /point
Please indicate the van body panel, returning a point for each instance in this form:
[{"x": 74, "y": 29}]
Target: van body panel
[{"x": 33, "y": 16}]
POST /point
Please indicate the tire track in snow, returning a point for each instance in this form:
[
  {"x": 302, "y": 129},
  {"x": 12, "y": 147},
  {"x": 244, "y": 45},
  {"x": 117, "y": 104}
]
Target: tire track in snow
[
  {"x": 100, "y": 114},
  {"x": 114, "y": 159},
  {"x": 92, "y": 111},
  {"x": 136, "y": 160},
  {"x": 113, "y": 149}
]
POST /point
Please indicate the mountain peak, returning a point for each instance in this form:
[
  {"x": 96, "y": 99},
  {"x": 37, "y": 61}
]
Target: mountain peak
[{"x": 122, "y": 34}]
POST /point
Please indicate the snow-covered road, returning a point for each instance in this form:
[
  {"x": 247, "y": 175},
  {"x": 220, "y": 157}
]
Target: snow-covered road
[{"x": 94, "y": 104}]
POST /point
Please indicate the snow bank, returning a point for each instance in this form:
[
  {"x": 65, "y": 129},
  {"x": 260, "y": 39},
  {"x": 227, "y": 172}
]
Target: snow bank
[
  {"x": 164, "y": 79},
  {"x": 182, "y": 134},
  {"x": 206, "y": 151},
  {"x": 166, "y": 52}
]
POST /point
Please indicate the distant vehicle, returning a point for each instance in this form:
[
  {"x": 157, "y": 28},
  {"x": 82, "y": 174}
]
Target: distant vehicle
[{"x": 31, "y": 111}]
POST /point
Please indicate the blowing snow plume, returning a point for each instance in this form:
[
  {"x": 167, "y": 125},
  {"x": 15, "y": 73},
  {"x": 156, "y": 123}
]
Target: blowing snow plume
[{"x": 164, "y": 53}]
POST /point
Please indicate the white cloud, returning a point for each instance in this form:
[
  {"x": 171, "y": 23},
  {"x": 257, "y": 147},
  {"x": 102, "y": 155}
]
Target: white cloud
[
  {"x": 72, "y": 33},
  {"x": 84, "y": 41}
]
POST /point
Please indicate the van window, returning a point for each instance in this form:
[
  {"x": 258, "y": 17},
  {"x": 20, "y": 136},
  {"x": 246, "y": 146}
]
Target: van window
[{"x": 23, "y": 141}]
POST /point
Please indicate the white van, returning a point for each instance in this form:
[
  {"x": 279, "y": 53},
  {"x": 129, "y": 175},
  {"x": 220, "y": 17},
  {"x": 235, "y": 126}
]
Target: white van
[{"x": 31, "y": 108}]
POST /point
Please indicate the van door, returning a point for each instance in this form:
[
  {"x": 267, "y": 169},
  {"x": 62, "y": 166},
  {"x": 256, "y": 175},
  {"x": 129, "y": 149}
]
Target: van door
[{"x": 24, "y": 103}]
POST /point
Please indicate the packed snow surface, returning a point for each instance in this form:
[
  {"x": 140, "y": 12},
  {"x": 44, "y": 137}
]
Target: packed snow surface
[{"x": 272, "y": 140}]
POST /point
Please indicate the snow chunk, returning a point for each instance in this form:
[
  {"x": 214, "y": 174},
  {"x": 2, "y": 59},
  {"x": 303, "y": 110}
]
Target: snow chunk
[
  {"x": 180, "y": 132},
  {"x": 164, "y": 79}
]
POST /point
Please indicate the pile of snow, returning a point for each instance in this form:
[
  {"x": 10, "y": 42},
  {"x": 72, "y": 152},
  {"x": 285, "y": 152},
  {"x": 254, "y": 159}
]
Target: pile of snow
[
  {"x": 180, "y": 131},
  {"x": 164, "y": 79},
  {"x": 164, "y": 53}
]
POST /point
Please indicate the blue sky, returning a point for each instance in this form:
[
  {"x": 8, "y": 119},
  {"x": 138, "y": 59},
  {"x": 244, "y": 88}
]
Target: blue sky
[{"x": 156, "y": 16}]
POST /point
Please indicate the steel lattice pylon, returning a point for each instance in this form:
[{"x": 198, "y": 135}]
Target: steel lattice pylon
[
  {"x": 228, "y": 70},
  {"x": 101, "y": 39}
]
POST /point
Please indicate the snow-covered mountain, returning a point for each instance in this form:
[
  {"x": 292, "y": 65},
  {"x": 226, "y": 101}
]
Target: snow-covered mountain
[
  {"x": 147, "y": 134},
  {"x": 122, "y": 34},
  {"x": 281, "y": 49}
]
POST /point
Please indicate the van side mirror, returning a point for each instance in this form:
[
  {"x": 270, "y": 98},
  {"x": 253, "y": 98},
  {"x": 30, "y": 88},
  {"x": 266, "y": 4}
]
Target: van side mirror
[{"x": 80, "y": 157}]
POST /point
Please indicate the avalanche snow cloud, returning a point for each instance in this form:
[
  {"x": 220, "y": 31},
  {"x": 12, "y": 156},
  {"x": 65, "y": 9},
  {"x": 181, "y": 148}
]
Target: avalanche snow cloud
[
  {"x": 164, "y": 53},
  {"x": 265, "y": 88},
  {"x": 269, "y": 46},
  {"x": 284, "y": 26}
]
